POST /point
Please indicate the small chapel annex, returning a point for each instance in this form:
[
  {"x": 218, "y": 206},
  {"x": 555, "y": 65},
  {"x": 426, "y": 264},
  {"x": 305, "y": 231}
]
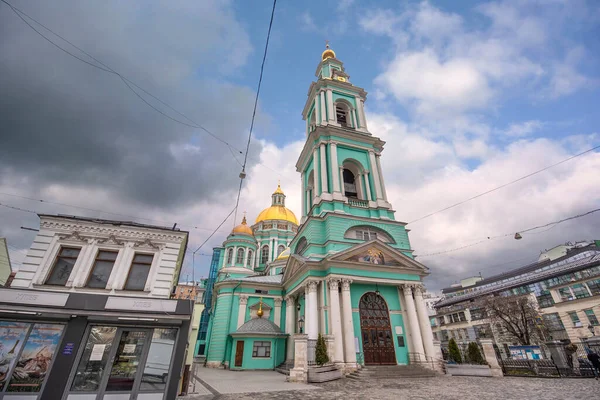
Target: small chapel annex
[{"x": 346, "y": 270}]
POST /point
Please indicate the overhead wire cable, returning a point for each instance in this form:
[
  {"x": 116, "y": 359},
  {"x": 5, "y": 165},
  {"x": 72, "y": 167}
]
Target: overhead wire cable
[{"x": 504, "y": 185}]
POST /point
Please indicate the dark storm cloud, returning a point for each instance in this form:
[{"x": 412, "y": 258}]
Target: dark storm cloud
[{"x": 62, "y": 121}]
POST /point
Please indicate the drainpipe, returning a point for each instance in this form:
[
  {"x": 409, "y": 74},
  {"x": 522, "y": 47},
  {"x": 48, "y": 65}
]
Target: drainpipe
[{"x": 229, "y": 321}]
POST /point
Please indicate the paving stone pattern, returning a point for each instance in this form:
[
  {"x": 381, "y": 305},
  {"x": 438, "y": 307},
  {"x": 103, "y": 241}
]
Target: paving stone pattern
[{"x": 447, "y": 388}]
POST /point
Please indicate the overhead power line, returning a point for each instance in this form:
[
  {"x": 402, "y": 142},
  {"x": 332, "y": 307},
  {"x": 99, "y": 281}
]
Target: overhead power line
[
  {"x": 553, "y": 224},
  {"x": 503, "y": 186}
]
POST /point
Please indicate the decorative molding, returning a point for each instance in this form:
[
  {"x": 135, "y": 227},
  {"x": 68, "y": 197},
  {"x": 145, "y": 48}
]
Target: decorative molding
[
  {"x": 333, "y": 283},
  {"x": 243, "y": 299},
  {"x": 111, "y": 240},
  {"x": 76, "y": 237},
  {"x": 146, "y": 244},
  {"x": 289, "y": 300},
  {"x": 278, "y": 302},
  {"x": 407, "y": 289},
  {"x": 105, "y": 230},
  {"x": 311, "y": 286}
]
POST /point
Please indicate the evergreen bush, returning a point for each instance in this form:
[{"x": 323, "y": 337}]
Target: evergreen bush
[
  {"x": 474, "y": 354},
  {"x": 321, "y": 356},
  {"x": 454, "y": 352}
]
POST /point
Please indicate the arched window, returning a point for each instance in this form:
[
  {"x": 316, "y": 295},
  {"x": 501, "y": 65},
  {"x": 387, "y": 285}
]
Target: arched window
[
  {"x": 249, "y": 262},
  {"x": 264, "y": 254},
  {"x": 229, "y": 256},
  {"x": 313, "y": 121},
  {"x": 240, "y": 257},
  {"x": 280, "y": 249},
  {"x": 342, "y": 115},
  {"x": 367, "y": 233},
  {"x": 350, "y": 184},
  {"x": 302, "y": 243}
]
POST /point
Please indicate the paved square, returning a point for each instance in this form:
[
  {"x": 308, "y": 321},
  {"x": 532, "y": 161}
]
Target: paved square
[{"x": 443, "y": 387}]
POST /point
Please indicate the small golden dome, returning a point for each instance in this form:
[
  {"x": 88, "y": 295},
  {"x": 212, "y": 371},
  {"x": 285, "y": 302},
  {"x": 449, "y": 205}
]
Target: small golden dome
[
  {"x": 277, "y": 212},
  {"x": 285, "y": 254},
  {"x": 278, "y": 190},
  {"x": 243, "y": 228},
  {"x": 328, "y": 53}
]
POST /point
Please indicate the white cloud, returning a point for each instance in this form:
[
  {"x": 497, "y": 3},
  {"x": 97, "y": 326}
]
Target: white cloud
[{"x": 524, "y": 128}]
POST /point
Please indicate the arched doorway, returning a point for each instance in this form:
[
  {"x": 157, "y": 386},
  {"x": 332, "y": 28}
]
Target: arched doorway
[{"x": 378, "y": 343}]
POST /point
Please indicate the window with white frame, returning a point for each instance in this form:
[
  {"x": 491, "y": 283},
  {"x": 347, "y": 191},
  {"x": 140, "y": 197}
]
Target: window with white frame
[
  {"x": 367, "y": 233},
  {"x": 63, "y": 266},
  {"x": 102, "y": 268},
  {"x": 280, "y": 249},
  {"x": 240, "y": 257},
  {"x": 264, "y": 256},
  {"x": 589, "y": 313},
  {"x": 261, "y": 349},
  {"x": 249, "y": 261},
  {"x": 574, "y": 318},
  {"x": 229, "y": 256},
  {"x": 138, "y": 272}
]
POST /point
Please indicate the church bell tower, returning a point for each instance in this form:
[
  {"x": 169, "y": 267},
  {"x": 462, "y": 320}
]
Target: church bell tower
[{"x": 340, "y": 166}]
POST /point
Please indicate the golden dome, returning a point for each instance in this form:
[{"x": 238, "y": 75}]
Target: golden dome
[
  {"x": 285, "y": 254},
  {"x": 278, "y": 190},
  {"x": 243, "y": 228},
  {"x": 277, "y": 212},
  {"x": 328, "y": 53}
]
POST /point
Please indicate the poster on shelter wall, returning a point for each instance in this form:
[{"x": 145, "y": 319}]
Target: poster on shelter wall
[
  {"x": 12, "y": 337},
  {"x": 36, "y": 358}
]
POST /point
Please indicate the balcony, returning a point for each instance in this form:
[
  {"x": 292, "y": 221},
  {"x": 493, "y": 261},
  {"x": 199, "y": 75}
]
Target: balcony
[{"x": 358, "y": 203}]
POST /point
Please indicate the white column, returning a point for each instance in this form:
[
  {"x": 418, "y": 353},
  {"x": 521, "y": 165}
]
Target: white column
[
  {"x": 359, "y": 115},
  {"x": 342, "y": 180},
  {"x": 234, "y": 256},
  {"x": 424, "y": 323},
  {"x": 311, "y": 311},
  {"x": 242, "y": 310},
  {"x": 303, "y": 191},
  {"x": 336, "y": 322},
  {"x": 277, "y": 315},
  {"x": 323, "y": 170},
  {"x": 246, "y": 258},
  {"x": 315, "y": 174},
  {"x": 349, "y": 348},
  {"x": 367, "y": 185},
  {"x": 354, "y": 118},
  {"x": 333, "y": 165},
  {"x": 290, "y": 323},
  {"x": 375, "y": 174},
  {"x": 378, "y": 161},
  {"x": 413, "y": 322},
  {"x": 330, "y": 105},
  {"x": 317, "y": 111},
  {"x": 323, "y": 113},
  {"x": 361, "y": 110}
]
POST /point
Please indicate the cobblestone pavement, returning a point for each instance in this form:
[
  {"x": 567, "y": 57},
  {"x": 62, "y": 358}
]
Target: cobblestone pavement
[{"x": 463, "y": 388}]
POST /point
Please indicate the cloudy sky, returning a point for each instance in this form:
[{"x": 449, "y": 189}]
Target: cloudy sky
[{"x": 468, "y": 97}]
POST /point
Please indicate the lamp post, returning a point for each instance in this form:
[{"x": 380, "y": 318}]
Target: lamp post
[{"x": 301, "y": 323}]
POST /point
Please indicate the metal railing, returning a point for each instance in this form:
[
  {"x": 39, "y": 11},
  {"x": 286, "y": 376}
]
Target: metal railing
[{"x": 422, "y": 359}]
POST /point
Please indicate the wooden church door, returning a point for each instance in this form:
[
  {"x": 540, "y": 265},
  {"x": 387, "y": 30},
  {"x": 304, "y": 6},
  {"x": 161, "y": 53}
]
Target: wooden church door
[{"x": 378, "y": 343}]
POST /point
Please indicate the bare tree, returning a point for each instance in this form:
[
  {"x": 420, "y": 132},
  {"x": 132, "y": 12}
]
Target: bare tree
[{"x": 517, "y": 315}]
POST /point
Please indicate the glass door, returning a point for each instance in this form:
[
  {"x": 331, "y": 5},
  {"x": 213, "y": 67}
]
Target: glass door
[{"x": 125, "y": 365}]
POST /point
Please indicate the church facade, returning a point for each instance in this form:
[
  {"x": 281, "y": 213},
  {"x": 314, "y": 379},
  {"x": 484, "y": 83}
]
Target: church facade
[{"x": 346, "y": 271}]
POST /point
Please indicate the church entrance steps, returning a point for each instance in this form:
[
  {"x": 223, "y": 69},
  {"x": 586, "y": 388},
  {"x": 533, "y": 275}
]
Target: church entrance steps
[
  {"x": 392, "y": 372},
  {"x": 284, "y": 368}
]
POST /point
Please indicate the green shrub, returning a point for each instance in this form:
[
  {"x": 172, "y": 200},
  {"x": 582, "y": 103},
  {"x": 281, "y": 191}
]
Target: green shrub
[
  {"x": 321, "y": 356},
  {"x": 454, "y": 352},
  {"x": 474, "y": 354}
]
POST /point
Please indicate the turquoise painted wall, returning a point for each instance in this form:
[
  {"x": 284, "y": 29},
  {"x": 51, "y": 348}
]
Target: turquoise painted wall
[
  {"x": 249, "y": 362},
  {"x": 391, "y": 296},
  {"x": 219, "y": 334},
  {"x": 349, "y": 98}
]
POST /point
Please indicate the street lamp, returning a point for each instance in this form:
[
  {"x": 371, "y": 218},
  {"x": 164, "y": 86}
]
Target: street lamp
[
  {"x": 592, "y": 329},
  {"x": 301, "y": 323},
  {"x": 377, "y": 289}
]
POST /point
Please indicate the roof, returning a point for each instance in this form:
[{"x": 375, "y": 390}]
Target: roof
[
  {"x": 112, "y": 222},
  {"x": 277, "y": 212},
  {"x": 261, "y": 326},
  {"x": 259, "y": 279}
]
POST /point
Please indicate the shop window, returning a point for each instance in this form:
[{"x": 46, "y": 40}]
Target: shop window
[
  {"x": 158, "y": 363},
  {"x": 36, "y": 357},
  {"x": 574, "y": 318},
  {"x": 239, "y": 259},
  {"x": 126, "y": 361},
  {"x": 94, "y": 359},
  {"x": 261, "y": 349},
  {"x": 103, "y": 265},
  {"x": 139, "y": 271},
  {"x": 12, "y": 337},
  {"x": 63, "y": 266},
  {"x": 591, "y": 317}
]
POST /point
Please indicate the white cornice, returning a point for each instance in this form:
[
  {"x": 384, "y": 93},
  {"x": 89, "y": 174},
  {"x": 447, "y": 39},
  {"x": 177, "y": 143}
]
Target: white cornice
[{"x": 87, "y": 229}]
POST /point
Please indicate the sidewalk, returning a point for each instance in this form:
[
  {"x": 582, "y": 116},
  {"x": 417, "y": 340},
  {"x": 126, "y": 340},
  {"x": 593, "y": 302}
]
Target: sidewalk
[{"x": 206, "y": 383}]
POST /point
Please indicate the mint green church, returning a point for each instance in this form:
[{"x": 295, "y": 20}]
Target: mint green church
[{"x": 346, "y": 271}]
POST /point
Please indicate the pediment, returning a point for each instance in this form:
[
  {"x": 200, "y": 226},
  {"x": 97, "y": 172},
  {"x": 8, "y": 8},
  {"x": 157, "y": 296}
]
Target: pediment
[
  {"x": 378, "y": 253},
  {"x": 294, "y": 264}
]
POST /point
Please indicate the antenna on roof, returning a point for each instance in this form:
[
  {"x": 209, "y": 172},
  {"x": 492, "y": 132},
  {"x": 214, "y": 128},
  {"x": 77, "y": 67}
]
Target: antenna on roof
[{"x": 174, "y": 225}]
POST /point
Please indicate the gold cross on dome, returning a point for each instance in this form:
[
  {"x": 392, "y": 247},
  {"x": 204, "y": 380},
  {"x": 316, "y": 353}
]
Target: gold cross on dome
[{"x": 327, "y": 43}]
